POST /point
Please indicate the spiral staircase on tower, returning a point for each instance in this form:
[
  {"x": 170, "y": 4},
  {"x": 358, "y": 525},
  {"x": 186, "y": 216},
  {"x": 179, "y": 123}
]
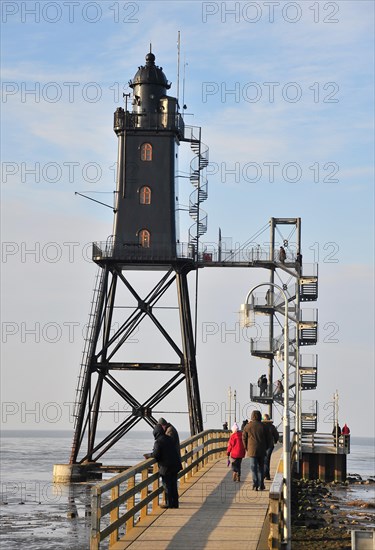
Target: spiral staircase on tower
[{"x": 198, "y": 179}]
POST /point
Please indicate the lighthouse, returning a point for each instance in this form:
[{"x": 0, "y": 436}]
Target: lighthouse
[{"x": 148, "y": 139}]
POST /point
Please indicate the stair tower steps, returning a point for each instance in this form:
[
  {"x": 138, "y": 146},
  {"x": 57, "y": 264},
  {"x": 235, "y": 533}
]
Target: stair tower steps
[
  {"x": 309, "y": 291},
  {"x": 308, "y": 336},
  {"x": 309, "y": 381},
  {"x": 309, "y": 423}
]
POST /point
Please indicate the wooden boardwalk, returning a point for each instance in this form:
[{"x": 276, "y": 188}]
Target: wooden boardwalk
[{"x": 215, "y": 514}]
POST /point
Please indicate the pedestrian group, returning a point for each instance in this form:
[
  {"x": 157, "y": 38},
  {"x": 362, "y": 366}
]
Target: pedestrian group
[{"x": 256, "y": 441}]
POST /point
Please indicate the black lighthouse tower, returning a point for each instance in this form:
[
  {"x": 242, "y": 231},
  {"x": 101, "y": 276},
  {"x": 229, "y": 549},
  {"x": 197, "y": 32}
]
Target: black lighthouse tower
[
  {"x": 146, "y": 202},
  {"x": 144, "y": 239}
]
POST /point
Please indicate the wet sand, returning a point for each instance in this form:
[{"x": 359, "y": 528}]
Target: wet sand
[
  {"x": 323, "y": 514},
  {"x": 60, "y": 521}
]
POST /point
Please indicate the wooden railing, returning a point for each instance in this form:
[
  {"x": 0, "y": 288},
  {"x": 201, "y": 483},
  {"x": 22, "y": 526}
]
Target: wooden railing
[{"x": 118, "y": 504}]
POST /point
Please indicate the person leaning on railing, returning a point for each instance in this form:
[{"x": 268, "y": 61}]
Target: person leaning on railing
[
  {"x": 171, "y": 432},
  {"x": 169, "y": 462}
]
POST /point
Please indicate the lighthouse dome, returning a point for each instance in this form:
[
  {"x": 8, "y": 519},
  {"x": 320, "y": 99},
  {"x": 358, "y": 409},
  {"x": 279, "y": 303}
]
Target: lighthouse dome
[{"x": 150, "y": 74}]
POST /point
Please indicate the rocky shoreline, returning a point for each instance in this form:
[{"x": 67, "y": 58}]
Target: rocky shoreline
[{"x": 323, "y": 514}]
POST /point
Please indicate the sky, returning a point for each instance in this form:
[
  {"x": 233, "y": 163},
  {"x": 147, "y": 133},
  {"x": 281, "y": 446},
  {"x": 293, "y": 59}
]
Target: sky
[{"x": 283, "y": 92}]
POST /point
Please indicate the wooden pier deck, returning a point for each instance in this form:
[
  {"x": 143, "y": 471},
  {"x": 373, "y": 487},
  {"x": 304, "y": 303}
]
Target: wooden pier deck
[{"x": 215, "y": 514}]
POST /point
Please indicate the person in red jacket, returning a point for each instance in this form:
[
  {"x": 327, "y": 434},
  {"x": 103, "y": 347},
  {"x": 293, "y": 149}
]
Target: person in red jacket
[
  {"x": 236, "y": 451},
  {"x": 345, "y": 430}
]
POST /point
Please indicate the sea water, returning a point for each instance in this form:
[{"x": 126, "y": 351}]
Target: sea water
[{"x": 36, "y": 514}]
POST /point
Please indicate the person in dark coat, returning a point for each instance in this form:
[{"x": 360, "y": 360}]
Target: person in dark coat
[
  {"x": 256, "y": 441},
  {"x": 262, "y": 384},
  {"x": 273, "y": 439},
  {"x": 336, "y": 432},
  {"x": 299, "y": 263},
  {"x": 171, "y": 432},
  {"x": 165, "y": 453}
]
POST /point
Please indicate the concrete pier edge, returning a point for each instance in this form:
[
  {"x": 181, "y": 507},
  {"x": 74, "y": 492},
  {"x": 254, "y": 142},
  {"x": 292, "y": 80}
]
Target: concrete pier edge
[{"x": 76, "y": 473}]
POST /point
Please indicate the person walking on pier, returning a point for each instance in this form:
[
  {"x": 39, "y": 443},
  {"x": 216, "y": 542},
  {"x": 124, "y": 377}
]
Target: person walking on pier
[
  {"x": 236, "y": 451},
  {"x": 273, "y": 439},
  {"x": 256, "y": 441},
  {"x": 169, "y": 462}
]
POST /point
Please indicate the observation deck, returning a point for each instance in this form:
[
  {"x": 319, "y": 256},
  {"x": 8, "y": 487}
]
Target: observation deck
[{"x": 161, "y": 255}]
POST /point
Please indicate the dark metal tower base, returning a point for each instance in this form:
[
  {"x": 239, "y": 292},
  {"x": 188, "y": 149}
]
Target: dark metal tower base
[{"x": 102, "y": 362}]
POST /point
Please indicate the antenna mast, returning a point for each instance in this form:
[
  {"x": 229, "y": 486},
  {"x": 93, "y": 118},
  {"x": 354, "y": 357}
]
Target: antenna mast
[{"x": 178, "y": 64}]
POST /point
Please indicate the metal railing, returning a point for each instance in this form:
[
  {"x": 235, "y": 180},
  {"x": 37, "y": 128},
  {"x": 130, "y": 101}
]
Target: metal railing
[
  {"x": 276, "y": 510},
  {"x": 272, "y": 390},
  {"x": 325, "y": 443},
  {"x": 208, "y": 253},
  {"x": 155, "y": 121},
  {"x": 118, "y": 504},
  {"x": 273, "y": 299}
]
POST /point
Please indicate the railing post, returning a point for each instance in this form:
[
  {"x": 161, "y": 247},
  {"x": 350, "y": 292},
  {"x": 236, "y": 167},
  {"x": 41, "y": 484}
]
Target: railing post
[
  {"x": 155, "y": 485},
  {"x": 95, "y": 519},
  {"x": 183, "y": 461},
  {"x": 114, "y": 515},
  {"x": 144, "y": 491},
  {"x": 204, "y": 441},
  {"x": 206, "y": 447},
  {"x": 189, "y": 461},
  {"x": 130, "y": 504},
  {"x": 199, "y": 443}
]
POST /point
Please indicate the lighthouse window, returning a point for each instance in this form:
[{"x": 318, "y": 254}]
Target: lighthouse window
[
  {"x": 145, "y": 195},
  {"x": 146, "y": 151},
  {"x": 144, "y": 238}
]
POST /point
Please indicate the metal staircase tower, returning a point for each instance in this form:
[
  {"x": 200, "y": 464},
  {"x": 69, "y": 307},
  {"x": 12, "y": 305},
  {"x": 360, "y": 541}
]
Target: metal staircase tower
[{"x": 300, "y": 284}]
